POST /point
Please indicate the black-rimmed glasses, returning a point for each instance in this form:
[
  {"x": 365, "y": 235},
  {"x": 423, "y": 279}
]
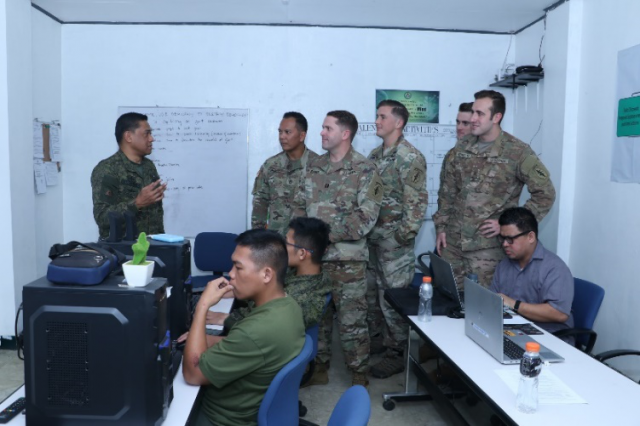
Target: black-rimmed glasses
[
  {"x": 299, "y": 247},
  {"x": 510, "y": 240}
]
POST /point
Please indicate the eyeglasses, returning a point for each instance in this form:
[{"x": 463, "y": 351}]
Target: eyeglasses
[
  {"x": 299, "y": 247},
  {"x": 510, "y": 240}
]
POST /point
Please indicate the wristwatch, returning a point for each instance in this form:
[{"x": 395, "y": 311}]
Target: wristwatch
[{"x": 516, "y": 306}]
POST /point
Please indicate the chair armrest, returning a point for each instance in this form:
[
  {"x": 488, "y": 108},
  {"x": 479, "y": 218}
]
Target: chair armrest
[
  {"x": 576, "y": 332},
  {"x": 615, "y": 353},
  {"x": 426, "y": 270}
]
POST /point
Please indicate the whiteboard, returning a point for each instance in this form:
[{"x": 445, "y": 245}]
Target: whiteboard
[
  {"x": 433, "y": 140},
  {"x": 202, "y": 155}
]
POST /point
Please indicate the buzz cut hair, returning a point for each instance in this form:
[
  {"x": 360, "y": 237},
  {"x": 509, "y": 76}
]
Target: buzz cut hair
[
  {"x": 268, "y": 249},
  {"x": 397, "y": 109},
  {"x": 346, "y": 120},
  {"x": 301, "y": 121}
]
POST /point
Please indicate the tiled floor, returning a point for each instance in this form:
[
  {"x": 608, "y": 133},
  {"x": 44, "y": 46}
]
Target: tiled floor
[{"x": 11, "y": 372}]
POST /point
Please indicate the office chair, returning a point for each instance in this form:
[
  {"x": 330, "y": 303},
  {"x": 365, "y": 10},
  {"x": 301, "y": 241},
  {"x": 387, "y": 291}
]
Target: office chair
[
  {"x": 587, "y": 299},
  {"x": 212, "y": 252},
  {"x": 280, "y": 404},
  {"x": 605, "y": 356},
  {"x": 313, "y": 333},
  {"x": 353, "y": 408}
]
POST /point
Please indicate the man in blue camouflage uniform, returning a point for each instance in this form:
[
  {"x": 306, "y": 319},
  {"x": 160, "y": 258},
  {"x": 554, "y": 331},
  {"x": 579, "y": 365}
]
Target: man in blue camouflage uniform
[
  {"x": 128, "y": 181},
  {"x": 403, "y": 170},
  {"x": 343, "y": 188},
  {"x": 279, "y": 177}
]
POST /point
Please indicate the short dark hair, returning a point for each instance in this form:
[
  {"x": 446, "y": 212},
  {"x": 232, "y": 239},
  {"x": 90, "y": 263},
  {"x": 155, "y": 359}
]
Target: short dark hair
[
  {"x": 268, "y": 248},
  {"x": 466, "y": 107},
  {"x": 345, "y": 119},
  {"x": 397, "y": 109},
  {"x": 498, "y": 103},
  {"x": 521, "y": 217},
  {"x": 312, "y": 234},
  {"x": 301, "y": 121},
  {"x": 128, "y": 122}
]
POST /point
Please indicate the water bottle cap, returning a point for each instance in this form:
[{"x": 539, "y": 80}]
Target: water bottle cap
[
  {"x": 532, "y": 347},
  {"x": 426, "y": 279}
]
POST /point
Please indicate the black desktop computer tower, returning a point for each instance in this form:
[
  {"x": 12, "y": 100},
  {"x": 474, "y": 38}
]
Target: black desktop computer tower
[
  {"x": 177, "y": 260},
  {"x": 96, "y": 355}
]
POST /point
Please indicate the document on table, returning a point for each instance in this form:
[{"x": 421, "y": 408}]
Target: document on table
[
  {"x": 224, "y": 306},
  {"x": 551, "y": 390}
]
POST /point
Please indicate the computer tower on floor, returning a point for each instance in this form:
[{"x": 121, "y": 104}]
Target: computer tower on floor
[
  {"x": 177, "y": 260},
  {"x": 96, "y": 355}
]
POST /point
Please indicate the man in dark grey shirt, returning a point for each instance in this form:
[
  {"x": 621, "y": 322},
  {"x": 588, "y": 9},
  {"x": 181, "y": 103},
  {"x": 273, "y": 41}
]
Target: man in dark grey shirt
[{"x": 533, "y": 281}]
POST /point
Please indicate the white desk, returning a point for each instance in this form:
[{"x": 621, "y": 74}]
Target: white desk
[{"x": 611, "y": 397}]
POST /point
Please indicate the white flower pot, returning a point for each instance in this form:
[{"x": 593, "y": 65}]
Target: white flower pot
[{"x": 138, "y": 275}]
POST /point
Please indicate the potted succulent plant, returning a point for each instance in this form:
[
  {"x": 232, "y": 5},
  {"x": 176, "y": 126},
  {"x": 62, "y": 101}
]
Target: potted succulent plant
[{"x": 138, "y": 271}]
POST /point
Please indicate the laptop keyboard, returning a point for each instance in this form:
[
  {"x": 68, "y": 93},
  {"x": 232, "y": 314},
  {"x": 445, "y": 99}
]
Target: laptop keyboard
[{"x": 511, "y": 350}]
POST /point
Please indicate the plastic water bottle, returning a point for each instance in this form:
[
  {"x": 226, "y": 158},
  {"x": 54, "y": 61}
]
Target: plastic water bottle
[
  {"x": 426, "y": 293},
  {"x": 527, "y": 399}
]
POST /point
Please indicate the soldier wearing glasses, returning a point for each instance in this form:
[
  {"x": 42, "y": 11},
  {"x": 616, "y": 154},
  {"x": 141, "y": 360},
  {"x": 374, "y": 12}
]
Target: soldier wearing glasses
[{"x": 532, "y": 281}]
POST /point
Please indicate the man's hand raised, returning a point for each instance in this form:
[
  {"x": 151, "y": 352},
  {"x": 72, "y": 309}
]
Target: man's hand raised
[{"x": 151, "y": 194}]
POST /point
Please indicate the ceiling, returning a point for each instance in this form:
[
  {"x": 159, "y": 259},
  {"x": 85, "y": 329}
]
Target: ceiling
[{"x": 493, "y": 16}]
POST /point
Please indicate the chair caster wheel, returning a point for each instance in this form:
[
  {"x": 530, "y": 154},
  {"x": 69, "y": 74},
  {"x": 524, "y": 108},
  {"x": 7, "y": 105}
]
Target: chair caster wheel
[{"x": 389, "y": 405}]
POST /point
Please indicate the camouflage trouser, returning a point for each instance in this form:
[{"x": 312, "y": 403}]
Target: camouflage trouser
[
  {"x": 390, "y": 265},
  {"x": 481, "y": 262},
  {"x": 348, "y": 294}
]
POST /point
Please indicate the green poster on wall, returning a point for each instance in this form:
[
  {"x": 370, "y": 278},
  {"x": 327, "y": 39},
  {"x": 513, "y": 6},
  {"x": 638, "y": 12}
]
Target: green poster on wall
[
  {"x": 629, "y": 117},
  {"x": 423, "y": 106}
]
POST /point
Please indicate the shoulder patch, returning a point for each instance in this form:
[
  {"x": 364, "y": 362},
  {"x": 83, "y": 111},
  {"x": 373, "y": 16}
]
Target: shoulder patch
[
  {"x": 416, "y": 178},
  {"x": 376, "y": 189}
]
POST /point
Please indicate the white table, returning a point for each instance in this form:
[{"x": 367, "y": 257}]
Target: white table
[{"x": 610, "y": 396}]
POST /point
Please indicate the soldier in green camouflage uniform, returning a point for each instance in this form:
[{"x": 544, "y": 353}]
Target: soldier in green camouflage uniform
[
  {"x": 279, "y": 177},
  {"x": 308, "y": 290},
  {"x": 127, "y": 181},
  {"x": 343, "y": 189},
  {"x": 403, "y": 171},
  {"x": 483, "y": 176}
]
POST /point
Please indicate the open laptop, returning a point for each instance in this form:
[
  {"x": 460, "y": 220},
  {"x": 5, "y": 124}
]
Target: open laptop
[
  {"x": 484, "y": 325},
  {"x": 446, "y": 297}
]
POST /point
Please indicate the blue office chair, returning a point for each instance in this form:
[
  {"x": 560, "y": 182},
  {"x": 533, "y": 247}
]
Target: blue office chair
[
  {"x": 587, "y": 299},
  {"x": 212, "y": 252},
  {"x": 280, "y": 404},
  {"x": 353, "y": 408}
]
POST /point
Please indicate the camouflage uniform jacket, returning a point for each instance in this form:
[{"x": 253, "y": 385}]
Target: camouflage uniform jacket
[
  {"x": 403, "y": 171},
  {"x": 115, "y": 184},
  {"x": 308, "y": 290},
  {"x": 274, "y": 188},
  {"x": 476, "y": 187},
  {"x": 347, "y": 196}
]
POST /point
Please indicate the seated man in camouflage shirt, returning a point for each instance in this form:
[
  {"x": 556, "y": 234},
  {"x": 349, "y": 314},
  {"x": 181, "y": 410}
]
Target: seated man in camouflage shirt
[{"x": 307, "y": 240}]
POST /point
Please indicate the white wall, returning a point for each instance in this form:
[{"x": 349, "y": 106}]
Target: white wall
[
  {"x": 605, "y": 245},
  {"x": 20, "y": 154},
  {"x": 47, "y": 104},
  {"x": 7, "y": 310},
  {"x": 269, "y": 70}
]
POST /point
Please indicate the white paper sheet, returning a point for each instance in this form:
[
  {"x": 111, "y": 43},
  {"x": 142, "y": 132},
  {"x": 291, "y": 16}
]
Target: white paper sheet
[
  {"x": 551, "y": 390},
  {"x": 38, "y": 141},
  {"x": 51, "y": 173},
  {"x": 39, "y": 174},
  {"x": 55, "y": 142}
]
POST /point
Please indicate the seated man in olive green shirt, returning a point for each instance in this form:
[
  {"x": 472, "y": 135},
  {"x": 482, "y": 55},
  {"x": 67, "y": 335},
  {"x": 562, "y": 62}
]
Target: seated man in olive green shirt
[
  {"x": 238, "y": 369},
  {"x": 307, "y": 240}
]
